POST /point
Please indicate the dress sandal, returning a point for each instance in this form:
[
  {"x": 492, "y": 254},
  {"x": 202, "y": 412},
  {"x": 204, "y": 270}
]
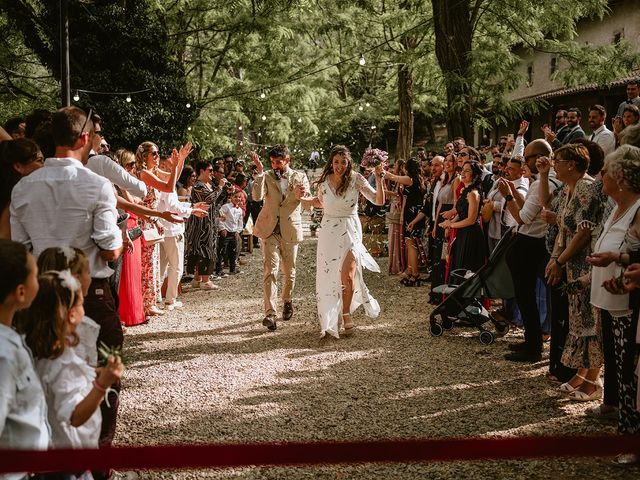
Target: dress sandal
[
  {"x": 348, "y": 325},
  {"x": 580, "y": 396},
  {"x": 411, "y": 281},
  {"x": 568, "y": 389}
]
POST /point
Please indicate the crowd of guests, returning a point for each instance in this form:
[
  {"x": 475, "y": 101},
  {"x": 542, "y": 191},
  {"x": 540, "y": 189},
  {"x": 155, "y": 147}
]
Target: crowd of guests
[
  {"x": 569, "y": 203},
  {"x": 91, "y": 243}
]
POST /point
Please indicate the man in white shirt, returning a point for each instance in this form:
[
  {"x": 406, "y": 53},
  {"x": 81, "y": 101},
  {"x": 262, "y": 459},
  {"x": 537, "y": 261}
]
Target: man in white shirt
[
  {"x": 64, "y": 203},
  {"x": 105, "y": 167},
  {"x": 633, "y": 96},
  {"x": 599, "y": 132},
  {"x": 528, "y": 255},
  {"x": 230, "y": 225}
]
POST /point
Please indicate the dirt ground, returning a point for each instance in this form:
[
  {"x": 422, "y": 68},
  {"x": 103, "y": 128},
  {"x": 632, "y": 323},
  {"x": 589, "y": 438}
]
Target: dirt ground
[{"x": 211, "y": 373}]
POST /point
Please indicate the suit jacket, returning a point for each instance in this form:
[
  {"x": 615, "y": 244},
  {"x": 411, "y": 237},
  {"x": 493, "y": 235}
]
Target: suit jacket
[
  {"x": 575, "y": 132},
  {"x": 278, "y": 207}
]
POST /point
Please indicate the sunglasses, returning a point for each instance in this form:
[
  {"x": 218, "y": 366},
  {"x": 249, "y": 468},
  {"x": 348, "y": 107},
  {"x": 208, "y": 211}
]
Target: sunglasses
[{"x": 86, "y": 120}]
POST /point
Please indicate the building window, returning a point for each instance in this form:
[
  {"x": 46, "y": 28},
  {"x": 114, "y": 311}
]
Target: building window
[
  {"x": 554, "y": 66},
  {"x": 530, "y": 74},
  {"x": 617, "y": 37}
]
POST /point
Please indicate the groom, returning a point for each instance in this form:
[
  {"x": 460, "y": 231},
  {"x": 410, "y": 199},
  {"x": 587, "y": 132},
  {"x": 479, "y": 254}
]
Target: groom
[{"x": 279, "y": 226}]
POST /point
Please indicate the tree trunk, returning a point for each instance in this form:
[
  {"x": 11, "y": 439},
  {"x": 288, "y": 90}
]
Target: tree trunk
[
  {"x": 453, "y": 44},
  {"x": 405, "y": 125}
]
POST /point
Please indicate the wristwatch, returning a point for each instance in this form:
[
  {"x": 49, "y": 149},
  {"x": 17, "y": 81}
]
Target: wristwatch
[{"x": 508, "y": 198}]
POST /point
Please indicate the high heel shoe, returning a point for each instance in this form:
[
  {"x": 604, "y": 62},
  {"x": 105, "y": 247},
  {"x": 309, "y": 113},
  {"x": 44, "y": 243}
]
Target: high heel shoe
[
  {"x": 580, "y": 396},
  {"x": 348, "y": 326},
  {"x": 412, "y": 281},
  {"x": 568, "y": 389}
]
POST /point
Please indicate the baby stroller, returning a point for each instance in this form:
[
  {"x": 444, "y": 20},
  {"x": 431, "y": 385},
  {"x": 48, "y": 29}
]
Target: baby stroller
[{"x": 464, "y": 294}]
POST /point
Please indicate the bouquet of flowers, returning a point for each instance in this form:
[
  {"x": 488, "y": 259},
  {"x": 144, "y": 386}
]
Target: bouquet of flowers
[{"x": 373, "y": 157}]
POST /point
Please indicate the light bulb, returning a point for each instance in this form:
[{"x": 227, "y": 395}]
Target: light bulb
[
  {"x": 367, "y": 104},
  {"x": 362, "y": 61},
  {"x": 263, "y": 95},
  {"x": 241, "y": 143},
  {"x": 76, "y": 96},
  {"x": 373, "y": 127},
  {"x": 215, "y": 129},
  {"x": 188, "y": 105},
  {"x": 326, "y": 131},
  {"x": 189, "y": 128},
  {"x": 361, "y": 108},
  {"x": 259, "y": 134},
  {"x": 240, "y": 127},
  {"x": 264, "y": 117},
  {"x": 128, "y": 99},
  {"x": 300, "y": 120}
]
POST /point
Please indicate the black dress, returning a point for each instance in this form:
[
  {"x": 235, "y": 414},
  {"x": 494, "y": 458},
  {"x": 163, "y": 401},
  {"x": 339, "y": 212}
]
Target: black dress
[
  {"x": 469, "y": 251},
  {"x": 413, "y": 201}
]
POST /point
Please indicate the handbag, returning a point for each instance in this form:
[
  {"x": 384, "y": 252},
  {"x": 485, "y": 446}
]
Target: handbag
[{"x": 152, "y": 236}]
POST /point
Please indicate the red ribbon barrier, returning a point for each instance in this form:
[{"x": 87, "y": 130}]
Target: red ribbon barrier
[{"x": 290, "y": 454}]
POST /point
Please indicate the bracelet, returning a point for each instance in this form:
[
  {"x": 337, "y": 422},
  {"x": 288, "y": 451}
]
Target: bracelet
[{"x": 99, "y": 387}]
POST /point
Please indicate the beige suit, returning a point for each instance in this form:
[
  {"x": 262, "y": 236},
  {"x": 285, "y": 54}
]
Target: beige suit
[{"x": 281, "y": 209}]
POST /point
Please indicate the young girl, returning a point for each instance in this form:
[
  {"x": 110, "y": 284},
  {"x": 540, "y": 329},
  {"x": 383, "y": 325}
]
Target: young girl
[
  {"x": 23, "y": 410},
  {"x": 73, "y": 389},
  {"x": 74, "y": 259}
]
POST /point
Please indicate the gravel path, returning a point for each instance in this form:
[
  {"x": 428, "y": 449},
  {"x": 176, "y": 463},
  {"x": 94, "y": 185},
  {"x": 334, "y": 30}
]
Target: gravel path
[{"x": 212, "y": 373}]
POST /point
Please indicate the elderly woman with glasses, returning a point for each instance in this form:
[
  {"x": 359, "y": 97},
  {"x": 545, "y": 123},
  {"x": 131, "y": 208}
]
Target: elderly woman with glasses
[
  {"x": 618, "y": 243},
  {"x": 580, "y": 211}
]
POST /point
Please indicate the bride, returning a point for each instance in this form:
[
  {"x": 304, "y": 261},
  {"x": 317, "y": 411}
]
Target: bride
[{"x": 340, "y": 287}]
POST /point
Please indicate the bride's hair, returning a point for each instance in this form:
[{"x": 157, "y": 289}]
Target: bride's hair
[{"x": 328, "y": 169}]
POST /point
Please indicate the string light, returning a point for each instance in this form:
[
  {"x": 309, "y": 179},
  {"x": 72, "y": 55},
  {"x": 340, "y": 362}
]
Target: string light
[
  {"x": 299, "y": 119},
  {"x": 264, "y": 117},
  {"x": 215, "y": 129},
  {"x": 361, "y": 108},
  {"x": 189, "y": 128},
  {"x": 367, "y": 104},
  {"x": 373, "y": 127},
  {"x": 188, "y": 105},
  {"x": 263, "y": 95},
  {"x": 362, "y": 61},
  {"x": 76, "y": 96},
  {"x": 128, "y": 99},
  {"x": 240, "y": 127}
]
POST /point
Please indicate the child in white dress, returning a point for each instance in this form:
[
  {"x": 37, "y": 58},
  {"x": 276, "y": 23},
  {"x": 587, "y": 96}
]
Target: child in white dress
[
  {"x": 74, "y": 259},
  {"x": 23, "y": 410},
  {"x": 73, "y": 389}
]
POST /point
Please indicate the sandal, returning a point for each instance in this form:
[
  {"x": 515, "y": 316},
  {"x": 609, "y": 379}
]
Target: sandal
[
  {"x": 411, "y": 281},
  {"x": 568, "y": 389},
  {"x": 580, "y": 396},
  {"x": 348, "y": 326}
]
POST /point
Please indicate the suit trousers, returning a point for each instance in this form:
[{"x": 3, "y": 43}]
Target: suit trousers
[
  {"x": 526, "y": 259},
  {"x": 275, "y": 251},
  {"x": 172, "y": 264}
]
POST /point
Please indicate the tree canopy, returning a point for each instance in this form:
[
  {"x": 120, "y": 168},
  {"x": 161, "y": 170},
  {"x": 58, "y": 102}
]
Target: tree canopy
[{"x": 240, "y": 74}]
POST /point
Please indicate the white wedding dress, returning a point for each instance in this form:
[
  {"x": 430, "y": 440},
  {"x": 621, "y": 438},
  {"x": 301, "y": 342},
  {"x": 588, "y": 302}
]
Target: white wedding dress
[{"x": 339, "y": 233}]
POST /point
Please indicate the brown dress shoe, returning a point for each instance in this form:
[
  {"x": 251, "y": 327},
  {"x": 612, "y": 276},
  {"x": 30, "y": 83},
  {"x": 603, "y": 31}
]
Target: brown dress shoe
[
  {"x": 270, "y": 322},
  {"x": 287, "y": 311}
]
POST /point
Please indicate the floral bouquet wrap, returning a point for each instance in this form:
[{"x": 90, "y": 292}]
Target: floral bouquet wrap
[{"x": 373, "y": 157}]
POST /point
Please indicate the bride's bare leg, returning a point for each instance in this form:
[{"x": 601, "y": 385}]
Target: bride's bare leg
[{"x": 347, "y": 277}]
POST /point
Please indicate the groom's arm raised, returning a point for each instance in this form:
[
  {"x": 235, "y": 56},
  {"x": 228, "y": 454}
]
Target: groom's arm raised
[{"x": 258, "y": 190}]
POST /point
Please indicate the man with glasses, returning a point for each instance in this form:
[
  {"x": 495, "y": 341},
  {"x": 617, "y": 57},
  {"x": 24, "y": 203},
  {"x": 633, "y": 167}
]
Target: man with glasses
[
  {"x": 573, "y": 130},
  {"x": 528, "y": 256},
  {"x": 107, "y": 168},
  {"x": 66, "y": 204}
]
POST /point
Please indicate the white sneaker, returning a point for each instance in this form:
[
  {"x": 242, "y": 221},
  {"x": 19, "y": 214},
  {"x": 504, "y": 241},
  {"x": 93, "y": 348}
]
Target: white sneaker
[{"x": 173, "y": 305}]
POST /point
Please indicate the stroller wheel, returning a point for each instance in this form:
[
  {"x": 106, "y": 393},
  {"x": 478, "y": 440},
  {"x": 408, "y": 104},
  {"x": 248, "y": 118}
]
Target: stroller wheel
[
  {"x": 486, "y": 338},
  {"x": 502, "y": 328},
  {"x": 436, "y": 329}
]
